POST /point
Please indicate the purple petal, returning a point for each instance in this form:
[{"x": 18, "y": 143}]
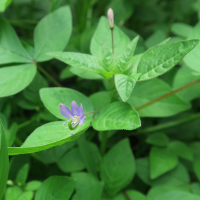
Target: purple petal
[
  {"x": 65, "y": 111},
  {"x": 81, "y": 111},
  {"x": 82, "y": 120},
  {"x": 75, "y": 108}
]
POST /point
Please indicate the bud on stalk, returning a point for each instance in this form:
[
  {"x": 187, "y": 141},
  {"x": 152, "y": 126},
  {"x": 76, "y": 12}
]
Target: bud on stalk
[{"x": 111, "y": 18}]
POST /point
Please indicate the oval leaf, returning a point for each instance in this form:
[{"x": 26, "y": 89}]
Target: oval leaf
[{"x": 117, "y": 116}]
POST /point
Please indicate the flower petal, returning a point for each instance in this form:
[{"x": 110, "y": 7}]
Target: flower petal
[
  {"x": 65, "y": 111},
  {"x": 81, "y": 111},
  {"x": 75, "y": 108},
  {"x": 82, "y": 120}
]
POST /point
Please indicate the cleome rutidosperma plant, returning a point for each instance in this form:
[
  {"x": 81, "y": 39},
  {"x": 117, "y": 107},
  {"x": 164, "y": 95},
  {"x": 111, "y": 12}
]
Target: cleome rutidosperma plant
[{"x": 113, "y": 61}]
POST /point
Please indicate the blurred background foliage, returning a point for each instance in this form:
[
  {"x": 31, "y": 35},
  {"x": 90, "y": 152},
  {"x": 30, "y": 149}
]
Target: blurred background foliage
[{"x": 168, "y": 147}]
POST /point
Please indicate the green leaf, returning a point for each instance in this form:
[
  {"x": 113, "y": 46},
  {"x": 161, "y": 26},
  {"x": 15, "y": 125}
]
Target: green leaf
[
  {"x": 103, "y": 34},
  {"x": 13, "y": 193},
  {"x": 53, "y": 97},
  {"x": 47, "y": 136},
  {"x": 195, "y": 187},
  {"x": 149, "y": 90},
  {"x": 32, "y": 185},
  {"x": 159, "y": 59},
  {"x": 158, "y": 139},
  {"x": 66, "y": 73},
  {"x": 31, "y": 93},
  {"x": 159, "y": 190},
  {"x": 100, "y": 99},
  {"x": 4, "y": 4},
  {"x": 54, "y": 154},
  {"x": 117, "y": 116},
  {"x": 183, "y": 77},
  {"x": 79, "y": 60},
  {"x": 177, "y": 177},
  {"x": 22, "y": 174},
  {"x": 56, "y": 187},
  {"x": 11, "y": 49},
  {"x": 87, "y": 187},
  {"x": 174, "y": 195},
  {"x": 28, "y": 195},
  {"x": 74, "y": 158},
  {"x": 4, "y": 161},
  {"x": 86, "y": 151},
  {"x": 85, "y": 74},
  {"x": 115, "y": 180},
  {"x": 162, "y": 160},
  {"x": 107, "y": 59},
  {"x": 125, "y": 84},
  {"x": 124, "y": 58},
  {"x": 11, "y": 133},
  {"x": 16, "y": 78},
  {"x": 52, "y": 33},
  {"x": 132, "y": 194},
  {"x": 181, "y": 149},
  {"x": 181, "y": 29},
  {"x": 196, "y": 166}
]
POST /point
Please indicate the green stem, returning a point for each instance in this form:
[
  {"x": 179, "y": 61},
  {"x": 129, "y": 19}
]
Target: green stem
[
  {"x": 47, "y": 75},
  {"x": 168, "y": 125},
  {"x": 167, "y": 95},
  {"x": 91, "y": 112},
  {"x": 26, "y": 123},
  {"x": 104, "y": 142},
  {"x": 126, "y": 195},
  {"x": 112, "y": 41}
]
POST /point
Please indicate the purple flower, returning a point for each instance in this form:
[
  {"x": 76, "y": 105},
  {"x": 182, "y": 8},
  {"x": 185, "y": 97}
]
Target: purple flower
[{"x": 75, "y": 115}]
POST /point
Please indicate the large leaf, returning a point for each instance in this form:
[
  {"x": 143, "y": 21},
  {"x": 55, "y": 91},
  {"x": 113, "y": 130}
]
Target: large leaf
[
  {"x": 118, "y": 167},
  {"x": 125, "y": 84},
  {"x": 149, "y": 90},
  {"x": 56, "y": 187},
  {"x": 103, "y": 34},
  {"x": 159, "y": 59},
  {"x": 184, "y": 76},
  {"x": 52, "y": 33},
  {"x": 47, "y": 136},
  {"x": 79, "y": 60},
  {"x": 117, "y": 115},
  {"x": 52, "y": 97},
  {"x": 87, "y": 187},
  {"x": 124, "y": 58},
  {"x": 4, "y": 161},
  {"x": 11, "y": 49},
  {"x": 16, "y": 78},
  {"x": 162, "y": 160},
  {"x": 158, "y": 139}
]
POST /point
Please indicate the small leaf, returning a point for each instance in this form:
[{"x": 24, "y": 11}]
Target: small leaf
[
  {"x": 16, "y": 78},
  {"x": 11, "y": 49},
  {"x": 125, "y": 84},
  {"x": 124, "y": 58},
  {"x": 13, "y": 193},
  {"x": 22, "y": 174},
  {"x": 107, "y": 59},
  {"x": 87, "y": 187},
  {"x": 117, "y": 116},
  {"x": 4, "y": 161},
  {"x": 52, "y": 33},
  {"x": 32, "y": 185},
  {"x": 181, "y": 149},
  {"x": 132, "y": 194},
  {"x": 47, "y": 136},
  {"x": 115, "y": 180},
  {"x": 74, "y": 158},
  {"x": 162, "y": 160},
  {"x": 159, "y": 59},
  {"x": 196, "y": 166},
  {"x": 56, "y": 187},
  {"x": 158, "y": 139},
  {"x": 53, "y": 97},
  {"x": 181, "y": 29},
  {"x": 79, "y": 60}
]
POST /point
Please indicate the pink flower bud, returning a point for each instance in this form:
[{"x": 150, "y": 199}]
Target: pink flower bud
[{"x": 111, "y": 18}]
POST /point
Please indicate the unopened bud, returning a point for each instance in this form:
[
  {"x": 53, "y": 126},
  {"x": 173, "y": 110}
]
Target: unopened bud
[{"x": 111, "y": 18}]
